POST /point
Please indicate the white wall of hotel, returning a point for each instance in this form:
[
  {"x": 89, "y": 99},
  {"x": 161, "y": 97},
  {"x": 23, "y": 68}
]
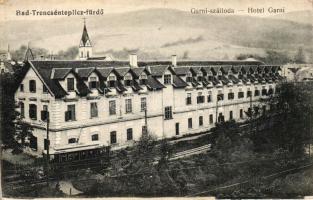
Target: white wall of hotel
[{"x": 84, "y": 126}]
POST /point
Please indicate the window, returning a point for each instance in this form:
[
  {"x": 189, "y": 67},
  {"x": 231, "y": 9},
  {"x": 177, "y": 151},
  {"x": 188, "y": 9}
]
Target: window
[
  {"x": 33, "y": 142},
  {"x": 112, "y": 81},
  {"x": 87, "y": 54},
  {"x": 201, "y": 121},
  {"x": 95, "y": 137},
  {"x": 44, "y": 113},
  {"x": 231, "y": 115},
  {"x": 44, "y": 89},
  {"x": 113, "y": 137},
  {"x": 70, "y": 113},
  {"x": 143, "y": 79},
  {"x": 112, "y": 107},
  {"x": 46, "y": 144},
  {"x": 188, "y": 99},
  {"x": 209, "y": 98},
  {"x": 33, "y": 111},
  {"x": 168, "y": 112},
  {"x": 22, "y": 110},
  {"x": 144, "y": 130},
  {"x": 240, "y": 95},
  {"x": 81, "y": 54},
  {"x": 249, "y": 94},
  {"x": 189, "y": 77},
  {"x": 270, "y": 91},
  {"x": 220, "y": 117},
  {"x": 167, "y": 79},
  {"x": 93, "y": 84},
  {"x": 129, "y": 133},
  {"x": 231, "y": 96},
  {"x": 241, "y": 113},
  {"x": 189, "y": 122},
  {"x": 70, "y": 84},
  {"x": 220, "y": 97},
  {"x": 264, "y": 92},
  {"x": 257, "y": 93},
  {"x": 211, "y": 118},
  {"x": 32, "y": 86},
  {"x": 128, "y": 105},
  {"x": 143, "y": 104},
  {"x": 93, "y": 110},
  {"x": 177, "y": 128},
  {"x": 128, "y": 80},
  {"x": 200, "y": 98},
  {"x": 72, "y": 140},
  {"x": 22, "y": 88}
]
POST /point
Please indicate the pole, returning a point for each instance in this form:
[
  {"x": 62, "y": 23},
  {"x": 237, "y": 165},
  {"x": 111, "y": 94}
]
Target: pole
[
  {"x": 48, "y": 146},
  {"x": 216, "y": 110},
  {"x": 146, "y": 120}
]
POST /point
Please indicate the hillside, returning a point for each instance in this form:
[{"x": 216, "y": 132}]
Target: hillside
[
  {"x": 158, "y": 33},
  {"x": 305, "y": 17}
]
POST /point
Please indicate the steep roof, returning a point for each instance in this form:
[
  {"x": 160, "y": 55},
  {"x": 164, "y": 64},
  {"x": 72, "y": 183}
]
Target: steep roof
[
  {"x": 159, "y": 70},
  {"x": 122, "y": 71},
  {"x": 178, "y": 82},
  {"x": 138, "y": 71},
  {"x": 60, "y": 73},
  {"x": 105, "y": 71},
  {"x": 153, "y": 83},
  {"x": 181, "y": 70},
  {"x": 85, "y": 72},
  {"x": 85, "y": 36}
]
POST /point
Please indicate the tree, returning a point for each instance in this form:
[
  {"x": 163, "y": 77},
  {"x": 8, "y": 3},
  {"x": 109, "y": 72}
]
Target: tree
[
  {"x": 294, "y": 106},
  {"x": 166, "y": 151},
  {"x": 7, "y": 109}
]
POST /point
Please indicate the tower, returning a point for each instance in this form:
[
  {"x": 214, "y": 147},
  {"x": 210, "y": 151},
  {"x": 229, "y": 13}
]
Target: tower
[
  {"x": 8, "y": 54},
  {"x": 85, "y": 46}
]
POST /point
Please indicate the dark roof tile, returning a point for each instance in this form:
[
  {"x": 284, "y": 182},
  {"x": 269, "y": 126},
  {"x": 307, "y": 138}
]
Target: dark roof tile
[
  {"x": 60, "y": 73},
  {"x": 178, "y": 82},
  {"x": 153, "y": 83}
]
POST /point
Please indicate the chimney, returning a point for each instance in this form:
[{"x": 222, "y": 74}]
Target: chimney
[
  {"x": 133, "y": 60},
  {"x": 174, "y": 60}
]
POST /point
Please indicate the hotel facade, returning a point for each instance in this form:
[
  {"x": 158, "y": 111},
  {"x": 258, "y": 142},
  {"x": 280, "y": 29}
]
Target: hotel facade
[{"x": 96, "y": 103}]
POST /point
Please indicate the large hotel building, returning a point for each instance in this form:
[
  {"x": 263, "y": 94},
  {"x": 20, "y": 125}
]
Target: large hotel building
[{"x": 96, "y": 103}]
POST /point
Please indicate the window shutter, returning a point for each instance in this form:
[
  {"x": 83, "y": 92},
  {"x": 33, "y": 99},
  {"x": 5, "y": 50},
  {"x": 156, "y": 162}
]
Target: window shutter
[
  {"x": 66, "y": 115},
  {"x": 43, "y": 115},
  {"x": 73, "y": 114}
]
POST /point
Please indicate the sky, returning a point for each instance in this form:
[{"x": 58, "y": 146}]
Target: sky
[{"x": 8, "y": 7}]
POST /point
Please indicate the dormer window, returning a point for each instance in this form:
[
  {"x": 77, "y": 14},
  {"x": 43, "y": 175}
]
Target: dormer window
[
  {"x": 70, "y": 84},
  {"x": 199, "y": 75},
  {"x": 167, "y": 79},
  {"x": 93, "y": 83},
  {"x": 189, "y": 77},
  {"x": 112, "y": 81},
  {"x": 219, "y": 74},
  {"x": 143, "y": 79},
  {"x": 128, "y": 80}
]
